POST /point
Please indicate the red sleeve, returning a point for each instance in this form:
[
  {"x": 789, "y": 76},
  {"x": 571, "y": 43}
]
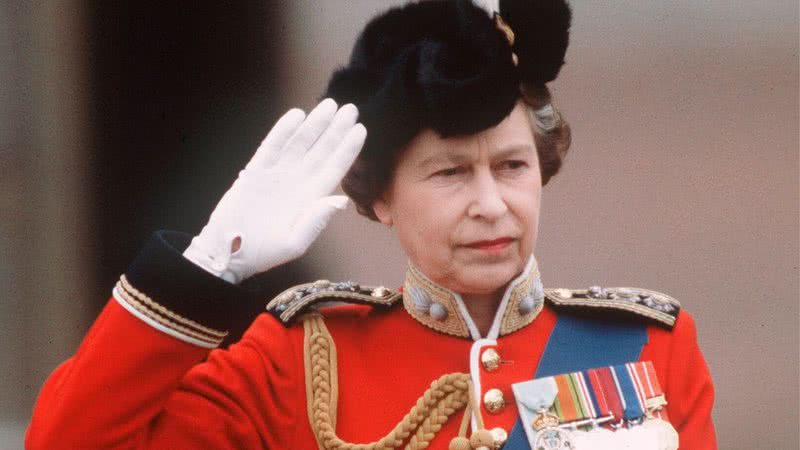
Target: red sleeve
[
  {"x": 250, "y": 396},
  {"x": 688, "y": 387},
  {"x": 115, "y": 384},
  {"x": 130, "y": 386},
  {"x": 144, "y": 376}
]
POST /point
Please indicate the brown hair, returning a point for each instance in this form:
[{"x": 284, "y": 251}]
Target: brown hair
[{"x": 369, "y": 176}]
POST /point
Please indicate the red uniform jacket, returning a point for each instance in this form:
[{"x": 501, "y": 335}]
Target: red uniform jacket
[{"x": 134, "y": 384}]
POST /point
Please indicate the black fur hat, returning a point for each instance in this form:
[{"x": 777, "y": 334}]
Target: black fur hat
[{"x": 445, "y": 65}]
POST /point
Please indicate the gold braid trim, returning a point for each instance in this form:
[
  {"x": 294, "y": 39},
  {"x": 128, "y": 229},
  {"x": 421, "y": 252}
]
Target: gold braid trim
[
  {"x": 128, "y": 288},
  {"x": 445, "y": 396},
  {"x": 155, "y": 316}
]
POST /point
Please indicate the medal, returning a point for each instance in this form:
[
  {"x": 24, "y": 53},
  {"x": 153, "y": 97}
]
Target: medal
[
  {"x": 548, "y": 435},
  {"x": 535, "y": 399},
  {"x": 553, "y": 439},
  {"x": 579, "y": 410}
]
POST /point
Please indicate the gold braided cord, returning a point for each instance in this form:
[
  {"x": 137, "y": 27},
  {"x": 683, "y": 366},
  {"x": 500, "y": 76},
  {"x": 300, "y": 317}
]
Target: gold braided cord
[
  {"x": 462, "y": 430},
  {"x": 445, "y": 396},
  {"x": 431, "y": 425}
]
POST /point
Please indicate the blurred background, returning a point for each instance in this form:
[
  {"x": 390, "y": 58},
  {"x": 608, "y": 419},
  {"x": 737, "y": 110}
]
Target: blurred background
[{"x": 120, "y": 118}]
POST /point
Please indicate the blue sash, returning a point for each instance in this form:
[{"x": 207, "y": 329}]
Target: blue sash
[{"x": 579, "y": 343}]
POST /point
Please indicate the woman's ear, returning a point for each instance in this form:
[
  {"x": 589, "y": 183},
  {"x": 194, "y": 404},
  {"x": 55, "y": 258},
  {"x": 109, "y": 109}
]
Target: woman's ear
[{"x": 382, "y": 211}]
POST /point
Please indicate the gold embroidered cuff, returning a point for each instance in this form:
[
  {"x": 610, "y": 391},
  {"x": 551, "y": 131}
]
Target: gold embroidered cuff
[{"x": 171, "y": 322}]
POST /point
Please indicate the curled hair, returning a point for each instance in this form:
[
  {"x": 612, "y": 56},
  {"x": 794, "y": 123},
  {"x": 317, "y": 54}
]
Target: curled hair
[{"x": 551, "y": 132}]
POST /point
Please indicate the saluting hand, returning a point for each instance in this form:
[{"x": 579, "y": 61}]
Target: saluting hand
[{"x": 281, "y": 201}]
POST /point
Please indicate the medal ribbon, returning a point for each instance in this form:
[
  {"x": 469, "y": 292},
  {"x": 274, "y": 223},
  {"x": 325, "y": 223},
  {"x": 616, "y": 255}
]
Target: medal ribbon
[
  {"x": 641, "y": 391},
  {"x": 597, "y": 394},
  {"x": 579, "y": 380},
  {"x": 608, "y": 384},
  {"x": 634, "y": 409},
  {"x": 566, "y": 404},
  {"x": 624, "y": 391},
  {"x": 644, "y": 375},
  {"x": 573, "y": 403}
]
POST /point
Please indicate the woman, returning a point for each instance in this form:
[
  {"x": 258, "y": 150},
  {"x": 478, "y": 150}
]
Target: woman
[{"x": 462, "y": 136}]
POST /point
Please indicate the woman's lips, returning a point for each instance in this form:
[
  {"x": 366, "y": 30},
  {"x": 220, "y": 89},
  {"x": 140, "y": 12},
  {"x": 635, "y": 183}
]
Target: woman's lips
[{"x": 493, "y": 245}]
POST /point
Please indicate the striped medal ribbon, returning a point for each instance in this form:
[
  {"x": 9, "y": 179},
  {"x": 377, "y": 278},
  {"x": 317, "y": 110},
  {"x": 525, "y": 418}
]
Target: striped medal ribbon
[
  {"x": 655, "y": 428},
  {"x": 576, "y": 407},
  {"x": 632, "y": 405},
  {"x": 648, "y": 388},
  {"x": 589, "y": 404},
  {"x": 637, "y": 428}
]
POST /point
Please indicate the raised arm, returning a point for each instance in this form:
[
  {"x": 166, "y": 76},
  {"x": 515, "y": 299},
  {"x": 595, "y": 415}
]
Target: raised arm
[{"x": 143, "y": 376}]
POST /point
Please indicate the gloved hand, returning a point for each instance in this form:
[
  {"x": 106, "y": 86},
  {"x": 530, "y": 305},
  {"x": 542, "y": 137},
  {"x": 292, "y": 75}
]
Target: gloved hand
[{"x": 281, "y": 201}]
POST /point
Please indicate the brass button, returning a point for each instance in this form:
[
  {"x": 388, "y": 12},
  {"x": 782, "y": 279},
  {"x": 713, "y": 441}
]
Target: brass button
[
  {"x": 493, "y": 400},
  {"x": 490, "y": 360},
  {"x": 500, "y": 437}
]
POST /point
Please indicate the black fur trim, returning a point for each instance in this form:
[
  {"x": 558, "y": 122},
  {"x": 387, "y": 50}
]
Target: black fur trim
[
  {"x": 444, "y": 65},
  {"x": 541, "y": 29}
]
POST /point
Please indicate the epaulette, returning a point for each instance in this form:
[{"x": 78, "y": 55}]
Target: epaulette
[
  {"x": 652, "y": 305},
  {"x": 299, "y": 299}
]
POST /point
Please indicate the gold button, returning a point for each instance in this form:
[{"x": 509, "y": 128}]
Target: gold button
[
  {"x": 500, "y": 436},
  {"x": 493, "y": 400},
  {"x": 490, "y": 360}
]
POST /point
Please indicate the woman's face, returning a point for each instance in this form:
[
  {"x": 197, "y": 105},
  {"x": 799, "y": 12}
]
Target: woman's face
[{"x": 466, "y": 209}]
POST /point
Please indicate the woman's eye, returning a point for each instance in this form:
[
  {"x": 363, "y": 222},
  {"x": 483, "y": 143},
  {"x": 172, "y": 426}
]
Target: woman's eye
[
  {"x": 513, "y": 165},
  {"x": 450, "y": 172}
]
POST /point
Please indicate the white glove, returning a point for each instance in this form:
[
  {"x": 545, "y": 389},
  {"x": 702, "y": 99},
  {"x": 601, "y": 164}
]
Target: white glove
[{"x": 281, "y": 201}]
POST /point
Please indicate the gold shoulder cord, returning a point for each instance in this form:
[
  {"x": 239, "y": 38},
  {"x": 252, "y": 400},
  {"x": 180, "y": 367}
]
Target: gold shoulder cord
[{"x": 445, "y": 396}]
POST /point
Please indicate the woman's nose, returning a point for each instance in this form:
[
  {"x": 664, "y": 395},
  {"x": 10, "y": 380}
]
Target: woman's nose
[{"x": 487, "y": 201}]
